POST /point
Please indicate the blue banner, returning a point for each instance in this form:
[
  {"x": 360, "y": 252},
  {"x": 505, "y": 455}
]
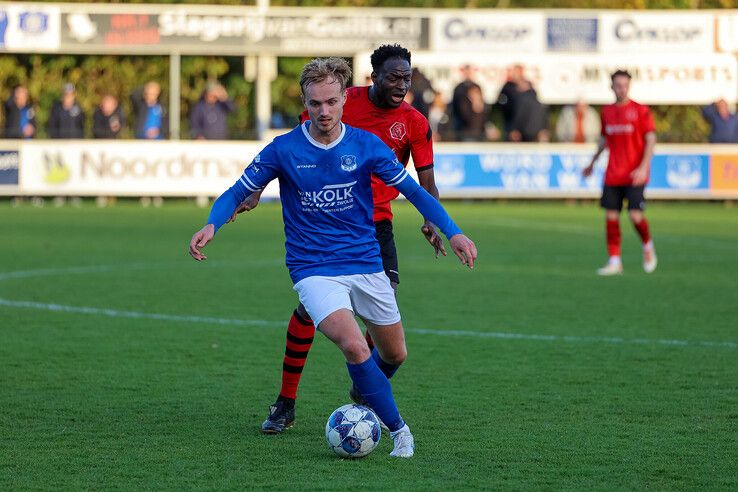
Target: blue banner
[
  {"x": 571, "y": 34},
  {"x": 527, "y": 172},
  {"x": 9, "y": 167}
]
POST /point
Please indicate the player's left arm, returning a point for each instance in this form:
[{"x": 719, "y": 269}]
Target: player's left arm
[
  {"x": 421, "y": 148},
  {"x": 641, "y": 173}
]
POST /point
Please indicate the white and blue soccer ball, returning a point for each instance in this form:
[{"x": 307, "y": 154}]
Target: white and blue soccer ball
[{"x": 353, "y": 431}]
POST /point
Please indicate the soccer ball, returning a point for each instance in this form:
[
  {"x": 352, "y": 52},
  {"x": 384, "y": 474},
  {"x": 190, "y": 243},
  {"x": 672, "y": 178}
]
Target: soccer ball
[{"x": 352, "y": 431}]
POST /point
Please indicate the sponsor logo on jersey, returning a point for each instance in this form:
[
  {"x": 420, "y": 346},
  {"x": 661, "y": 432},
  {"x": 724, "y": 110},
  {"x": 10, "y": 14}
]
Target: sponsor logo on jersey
[
  {"x": 330, "y": 198},
  {"x": 398, "y": 130},
  {"x": 625, "y": 129},
  {"x": 348, "y": 163}
]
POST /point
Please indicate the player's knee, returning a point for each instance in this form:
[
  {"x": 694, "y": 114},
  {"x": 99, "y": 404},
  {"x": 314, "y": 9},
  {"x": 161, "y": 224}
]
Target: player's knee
[
  {"x": 636, "y": 216},
  {"x": 396, "y": 356},
  {"x": 356, "y": 351},
  {"x": 302, "y": 312}
]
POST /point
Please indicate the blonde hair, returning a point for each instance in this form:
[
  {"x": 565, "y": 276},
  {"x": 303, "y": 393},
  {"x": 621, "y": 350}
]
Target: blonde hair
[{"x": 321, "y": 69}]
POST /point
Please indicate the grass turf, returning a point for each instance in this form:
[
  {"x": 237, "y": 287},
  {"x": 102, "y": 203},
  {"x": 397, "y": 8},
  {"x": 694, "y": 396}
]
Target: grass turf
[{"x": 529, "y": 372}]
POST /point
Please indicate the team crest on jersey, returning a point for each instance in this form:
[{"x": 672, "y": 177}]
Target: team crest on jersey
[
  {"x": 348, "y": 162},
  {"x": 398, "y": 130}
]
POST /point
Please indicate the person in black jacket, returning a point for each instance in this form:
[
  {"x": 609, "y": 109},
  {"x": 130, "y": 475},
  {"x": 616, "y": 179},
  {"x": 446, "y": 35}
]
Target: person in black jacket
[
  {"x": 152, "y": 121},
  {"x": 108, "y": 120},
  {"x": 20, "y": 118},
  {"x": 530, "y": 119},
  {"x": 209, "y": 118},
  {"x": 67, "y": 120}
]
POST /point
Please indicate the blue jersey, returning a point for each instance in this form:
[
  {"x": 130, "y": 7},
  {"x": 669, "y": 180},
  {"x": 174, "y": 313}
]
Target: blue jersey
[{"x": 327, "y": 200}]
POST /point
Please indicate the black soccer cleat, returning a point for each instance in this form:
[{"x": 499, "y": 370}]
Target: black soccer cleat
[
  {"x": 279, "y": 419},
  {"x": 356, "y": 396},
  {"x": 360, "y": 400}
]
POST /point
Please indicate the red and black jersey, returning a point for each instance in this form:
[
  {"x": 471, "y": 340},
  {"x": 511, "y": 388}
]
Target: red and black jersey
[
  {"x": 402, "y": 129},
  {"x": 624, "y": 127}
]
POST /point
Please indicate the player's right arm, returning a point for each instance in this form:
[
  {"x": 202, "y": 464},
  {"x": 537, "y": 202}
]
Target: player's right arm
[
  {"x": 254, "y": 178},
  {"x": 421, "y": 148}
]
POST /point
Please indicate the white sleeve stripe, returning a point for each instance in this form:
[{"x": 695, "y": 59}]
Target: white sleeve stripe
[
  {"x": 398, "y": 174},
  {"x": 396, "y": 181},
  {"x": 245, "y": 185},
  {"x": 253, "y": 186}
]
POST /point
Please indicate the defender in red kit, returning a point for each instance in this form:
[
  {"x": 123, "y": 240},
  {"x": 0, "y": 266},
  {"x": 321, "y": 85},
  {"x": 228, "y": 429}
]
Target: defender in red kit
[{"x": 628, "y": 132}]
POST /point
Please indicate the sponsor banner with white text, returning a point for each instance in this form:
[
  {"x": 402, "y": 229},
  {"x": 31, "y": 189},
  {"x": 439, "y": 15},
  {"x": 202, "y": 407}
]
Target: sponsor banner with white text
[
  {"x": 27, "y": 27},
  {"x": 561, "y": 78},
  {"x": 657, "y": 32},
  {"x": 133, "y": 168},
  {"x": 485, "y": 31},
  {"x": 199, "y": 30},
  {"x": 556, "y": 171}
]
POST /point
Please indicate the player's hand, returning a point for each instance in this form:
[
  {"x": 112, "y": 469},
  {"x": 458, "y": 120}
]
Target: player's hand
[
  {"x": 464, "y": 248},
  {"x": 248, "y": 204},
  {"x": 433, "y": 238},
  {"x": 587, "y": 171},
  {"x": 639, "y": 175},
  {"x": 199, "y": 240}
]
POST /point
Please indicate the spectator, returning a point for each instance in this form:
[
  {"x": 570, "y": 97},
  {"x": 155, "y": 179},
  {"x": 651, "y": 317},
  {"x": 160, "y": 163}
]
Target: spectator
[
  {"x": 461, "y": 102},
  {"x": 67, "y": 120},
  {"x": 208, "y": 120},
  {"x": 724, "y": 124},
  {"x": 422, "y": 92},
  {"x": 579, "y": 123},
  {"x": 20, "y": 118},
  {"x": 439, "y": 119},
  {"x": 507, "y": 100},
  {"x": 530, "y": 119},
  {"x": 473, "y": 117},
  {"x": 108, "y": 120},
  {"x": 152, "y": 121}
]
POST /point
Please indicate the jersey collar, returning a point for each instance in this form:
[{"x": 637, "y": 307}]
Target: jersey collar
[{"x": 310, "y": 139}]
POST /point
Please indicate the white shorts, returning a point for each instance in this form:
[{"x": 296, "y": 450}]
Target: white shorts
[{"x": 369, "y": 296}]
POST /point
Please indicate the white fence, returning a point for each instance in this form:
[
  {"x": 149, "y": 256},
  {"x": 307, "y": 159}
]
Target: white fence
[{"x": 171, "y": 169}]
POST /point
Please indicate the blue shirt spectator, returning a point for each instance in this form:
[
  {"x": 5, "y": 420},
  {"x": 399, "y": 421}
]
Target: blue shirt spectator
[
  {"x": 20, "y": 118},
  {"x": 724, "y": 123},
  {"x": 152, "y": 121}
]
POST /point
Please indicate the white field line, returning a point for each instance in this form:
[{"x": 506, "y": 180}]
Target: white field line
[{"x": 115, "y": 313}]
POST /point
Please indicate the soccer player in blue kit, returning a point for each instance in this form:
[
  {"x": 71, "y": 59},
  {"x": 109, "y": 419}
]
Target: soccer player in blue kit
[{"x": 324, "y": 168}]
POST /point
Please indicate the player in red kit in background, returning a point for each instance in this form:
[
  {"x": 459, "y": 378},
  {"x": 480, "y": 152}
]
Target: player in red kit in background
[
  {"x": 381, "y": 110},
  {"x": 628, "y": 131}
]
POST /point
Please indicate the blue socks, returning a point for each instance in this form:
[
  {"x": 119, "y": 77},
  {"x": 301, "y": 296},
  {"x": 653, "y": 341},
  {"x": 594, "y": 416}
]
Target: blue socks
[
  {"x": 375, "y": 388},
  {"x": 388, "y": 369}
]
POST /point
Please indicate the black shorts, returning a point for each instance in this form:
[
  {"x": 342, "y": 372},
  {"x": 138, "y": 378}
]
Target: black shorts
[
  {"x": 387, "y": 249},
  {"x": 612, "y": 197}
]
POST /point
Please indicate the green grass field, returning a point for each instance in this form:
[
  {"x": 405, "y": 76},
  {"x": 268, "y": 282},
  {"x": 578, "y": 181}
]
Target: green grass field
[{"x": 124, "y": 364}]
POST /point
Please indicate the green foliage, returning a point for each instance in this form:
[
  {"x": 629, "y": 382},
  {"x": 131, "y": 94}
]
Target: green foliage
[
  {"x": 95, "y": 76},
  {"x": 197, "y": 71},
  {"x": 286, "y": 89}
]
